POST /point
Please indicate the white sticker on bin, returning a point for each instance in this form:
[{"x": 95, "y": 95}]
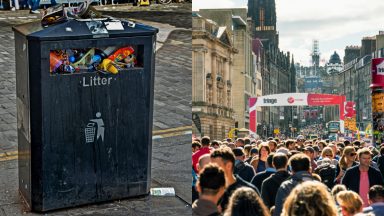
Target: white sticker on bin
[{"x": 114, "y": 25}]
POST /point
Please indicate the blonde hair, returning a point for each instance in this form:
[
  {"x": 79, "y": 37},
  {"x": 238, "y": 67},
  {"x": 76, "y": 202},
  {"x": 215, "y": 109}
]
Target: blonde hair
[
  {"x": 342, "y": 161},
  {"x": 350, "y": 201},
  {"x": 311, "y": 198},
  {"x": 327, "y": 150}
]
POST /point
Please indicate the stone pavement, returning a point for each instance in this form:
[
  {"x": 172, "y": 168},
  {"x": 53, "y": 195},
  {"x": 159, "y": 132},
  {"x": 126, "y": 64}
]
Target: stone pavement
[{"x": 172, "y": 110}]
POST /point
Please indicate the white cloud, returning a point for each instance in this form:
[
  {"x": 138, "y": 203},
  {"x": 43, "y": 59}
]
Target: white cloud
[{"x": 335, "y": 23}]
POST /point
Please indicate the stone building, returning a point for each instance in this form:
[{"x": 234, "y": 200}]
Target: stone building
[
  {"x": 355, "y": 78},
  {"x": 245, "y": 78},
  {"x": 276, "y": 67},
  {"x": 212, "y": 56}
]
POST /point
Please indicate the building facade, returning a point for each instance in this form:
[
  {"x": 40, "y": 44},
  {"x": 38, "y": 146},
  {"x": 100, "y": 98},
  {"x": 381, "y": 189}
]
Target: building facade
[
  {"x": 212, "y": 56},
  {"x": 355, "y": 78},
  {"x": 245, "y": 78},
  {"x": 276, "y": 67}
]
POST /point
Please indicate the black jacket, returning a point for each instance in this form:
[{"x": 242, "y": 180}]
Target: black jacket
[
  {"x": 260, "y": 177},
  {"x": 245, "y": 171},
  {"x": 229, "y": 191},
  {"x": 351, "y": 178},
  {"x": 271, "y": 185}
]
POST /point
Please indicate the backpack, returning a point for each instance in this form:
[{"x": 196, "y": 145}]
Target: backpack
[{"x": 327, "y": 172}]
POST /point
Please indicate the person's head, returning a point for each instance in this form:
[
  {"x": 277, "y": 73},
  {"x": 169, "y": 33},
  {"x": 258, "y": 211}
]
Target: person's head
[
  {"x": 195, "y": 146},
  {"x": 264, "y": 151},
  {"x": 247, "y": 141},
  {"x": 310, "y": 198},
  {"x": 280, "y": 161},
  {"x": 364, "y": 157},
  {"x": 247, "y": 149},
  {"x": 231, "y": 145},
  {"x": 300, "y": 162},
  {"x": 349, "y": 154},
  {"x": 205, "y": 141},
  {"x": 245, "y": 201},
  {"x": 272, "y": 145},
  {"x": 310, "y": 152},
  {"x": 356, "y": 143},
  {"x": 215, "y": 144},
  {"x": 300, "y": 140},
  {"x": 211, "y": 182},
  {"x": 350, "y": 202},
  {"x": 317, "y": 151},
  {"x": 376, "y": 194},
  {"x": 240, "y": 142},
  {"x": 347, "y": 142},
  {"x": 337, "y": 189},
  {"x": 322, "y": 145},
  {"x": 270, "y": 160},
  {"x": 203, "y": 161},
  {"x": 239, "y": 153},
  {"x": 254, "y": 152},
  {"x": 327, "y": 153},
  {"x": 290, "y": 144},
  {"x": 334, "y": 148},
  {"x": 225, "y": 158}
]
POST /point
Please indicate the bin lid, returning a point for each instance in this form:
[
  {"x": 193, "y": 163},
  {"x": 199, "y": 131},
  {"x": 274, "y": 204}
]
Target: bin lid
[{"x": 84, "y": 29}]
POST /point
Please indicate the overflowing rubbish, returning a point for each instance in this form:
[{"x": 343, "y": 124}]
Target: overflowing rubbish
[
  {"x": 106, "y": 60},
  {"x": 59, "y": 13}
]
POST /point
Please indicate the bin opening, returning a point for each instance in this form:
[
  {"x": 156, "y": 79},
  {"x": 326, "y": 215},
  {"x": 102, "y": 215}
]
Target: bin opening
[{"x": 103, "y": 59}]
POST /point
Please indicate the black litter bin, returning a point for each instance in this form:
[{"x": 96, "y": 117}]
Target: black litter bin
[{"x": 85, "y": 111}]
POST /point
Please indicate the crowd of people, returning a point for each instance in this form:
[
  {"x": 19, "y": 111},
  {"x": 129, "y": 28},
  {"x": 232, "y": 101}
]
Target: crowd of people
[{"x": 286, "y": 177}]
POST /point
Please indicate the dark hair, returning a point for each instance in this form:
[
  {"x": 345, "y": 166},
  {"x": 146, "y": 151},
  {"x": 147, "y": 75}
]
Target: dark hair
[
  {"x": 274, "y": 142},
  {"x": 245, "y": 201},
  {"x": 215, "y": 142},
  {"x": 347, "y": 142},
  {"x": 376, "y": 192},
  {"x": 211, "y": 179},
  {"x": 225, "y": 154},
  {"x": 340, "y": 145},
  {"x": 247, "y": 141},
  {"x": 277, "y": 140},
  {"x": 299, "y": 162},
  {"x": 270, "y": 159},
  {"x": 381, "y": 150},
  {"x": 266, "y": 146},
  {"x": 196, "y": 144},
  {"x": 288, "y": 142},
  {"x": 241, "y": 140},
  {"x": 280, "y": 160},
  {"x": 356, "y": 143},
  {"x": 205, "y": 141}
]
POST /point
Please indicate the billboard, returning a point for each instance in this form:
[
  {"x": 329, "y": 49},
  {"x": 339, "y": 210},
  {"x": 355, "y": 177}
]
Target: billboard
[
  {"x": 295, "y": 99},
  {"x": 377, "y": 71}
]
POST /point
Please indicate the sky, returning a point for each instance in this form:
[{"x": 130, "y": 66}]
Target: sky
[{"x": 334, "y": 23}]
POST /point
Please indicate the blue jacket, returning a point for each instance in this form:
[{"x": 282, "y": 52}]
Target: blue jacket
[{"x": 351, "y": 178}]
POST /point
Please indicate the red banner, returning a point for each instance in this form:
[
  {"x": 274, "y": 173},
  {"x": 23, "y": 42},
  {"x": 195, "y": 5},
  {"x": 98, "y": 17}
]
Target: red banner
[
  {"x": 252, "y": 115},
  {"x": 377, "y": 70},
  {"x": 323, "y": 99}
]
